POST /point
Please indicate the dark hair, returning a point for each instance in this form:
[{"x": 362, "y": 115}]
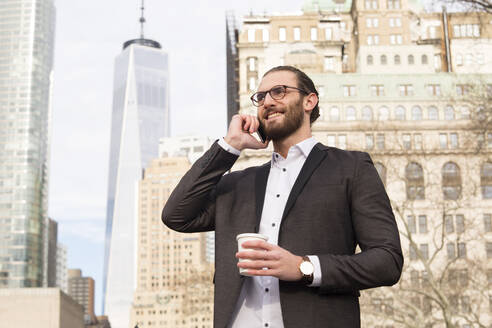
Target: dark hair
[{"x": 304, "y": 82}]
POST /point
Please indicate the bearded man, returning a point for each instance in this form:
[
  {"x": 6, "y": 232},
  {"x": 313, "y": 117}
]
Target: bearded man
[{"x": 315, "y": 204}]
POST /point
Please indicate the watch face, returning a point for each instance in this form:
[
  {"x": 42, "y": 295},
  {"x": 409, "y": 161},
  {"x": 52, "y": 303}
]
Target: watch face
[{"x": 307, "y": 268}]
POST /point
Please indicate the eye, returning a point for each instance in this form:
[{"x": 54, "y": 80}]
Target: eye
[
  {"x": 277, "y": 91},
  {"x": 260, "y": 96}
]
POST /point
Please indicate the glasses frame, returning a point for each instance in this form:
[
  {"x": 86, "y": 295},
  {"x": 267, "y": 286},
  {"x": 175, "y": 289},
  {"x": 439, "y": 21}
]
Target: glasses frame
[{"x": 260, "y": 103}]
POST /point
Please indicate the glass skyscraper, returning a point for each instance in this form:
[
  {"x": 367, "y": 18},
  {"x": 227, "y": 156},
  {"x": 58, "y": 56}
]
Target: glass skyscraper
[
  {"x": 140, "y": 117},
  {"x": 27, "y": 29}
]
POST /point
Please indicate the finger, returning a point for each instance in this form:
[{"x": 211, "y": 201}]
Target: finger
[
  {"x": 258, "y": 244},
  {"x": 257, "y": 265},
  {"x": 255, "y": 255},
  {"x": 262, "y": 272},
  {"x": 253, "y": 126}
]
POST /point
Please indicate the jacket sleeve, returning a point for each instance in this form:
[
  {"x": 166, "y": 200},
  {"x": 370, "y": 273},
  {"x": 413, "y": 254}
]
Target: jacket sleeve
[
  {"x": 191, "y": 206},
  {"x": 380, "y": 261}
]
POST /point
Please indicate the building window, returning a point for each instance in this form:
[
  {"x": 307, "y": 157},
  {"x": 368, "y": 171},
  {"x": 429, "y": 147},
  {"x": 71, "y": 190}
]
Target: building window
[
  {"x": 252, "y": 84},
  {"x": 451, "y": 252},
  {"x": 397, "y": 60},
  {"x": 377, "y": 90},
  {"x": 331, "y": 141},
  {"x": 448, "y": 224},
  {"x": 410, "y": 60},
  {"x": 486, "y": 180},
  {"x": 400, "y": 113},
  {"x": 314, "y": 33},
  {"x": 383, "y": 113},
  {"x": 349, "y": 91},
  {"x": 370, "y": 4},
  {"x": 488, "y": 249},
  {"x": 461, "y": 250},
  {"x": 381, "y": 171},
  {"x": 252, "y": 64},
  {"x": 453, "y": 141},
  {"x": 395, "y": 22},
  {"x": 434, "y": 89},
  {"x": 369, "y": 141},
  {"x": 424, "y": 60},
  {"x": 396, "y": 39},
  {"x": 384, "y": 60},
  {"x": 407, "y": 141},
  {"x": 367, "y": 113},
  {"x": 451, "y": 181},
  {"x": 342, "y": 141},
  {"x": 416, "y": 113},
  {"x": 350, "y": 114},
  {"x": 297, "y": 33},
  {"x": 411, "y": 224},
  {"x": 380, "y": 141},
  {"x": 487, "y": 222},
  {"x": 460, "y": 223},
  {"x": 369, "y": 60},
  {"x": 462, "y": 89},
  {"x": 437, "y": 62},
  {"x": 393, "y": 4},
  {"x": 373, "y": 39},
  {"x": 405, "y": 90},
  {"x": 422, "y": 224},
  {"x": 414, "y": 175},
  {"x": 329, "y": 63},
  {"x": 443, "y": 140},
  {"x": 251, "y": 35},
  {"x": 424, "y": 250},
  {"x": 372, "y": 22},
  {"x": 466, "y": 30},
  {"x": 417, "y": 141},
  {"x": 334, "y": 114},
  {"x": 328, "y": 33},
  {"x": 433, "y": 113},
  {"x": 449, "y": 113},
  {"x": 266, "y": 35},
  {"x": 282, "y": 35}
]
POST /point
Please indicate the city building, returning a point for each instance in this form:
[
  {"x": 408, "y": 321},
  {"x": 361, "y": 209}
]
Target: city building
[
  {"x": 52, "y": 250},
  {"x": 61, "y": 268},
  {"x": 26, "y": 80},
  {"x": 81, "y": 289},
  {"x": 174, "y": 277},
  {"x": 47, "y": 308},
  {"x": 412, "y": 88},
  {"x": 102, "y": 321},
  {"x": 140, "y": 117}
]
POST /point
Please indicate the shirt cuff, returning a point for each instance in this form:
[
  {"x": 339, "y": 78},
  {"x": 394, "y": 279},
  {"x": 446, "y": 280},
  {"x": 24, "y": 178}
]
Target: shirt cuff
[
  {"x": 317, "y": 271},
  {"x": 228, "y": 147}
]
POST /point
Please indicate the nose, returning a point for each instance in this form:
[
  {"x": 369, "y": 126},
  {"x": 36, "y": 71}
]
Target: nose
[{"x": 268, "y": 101}]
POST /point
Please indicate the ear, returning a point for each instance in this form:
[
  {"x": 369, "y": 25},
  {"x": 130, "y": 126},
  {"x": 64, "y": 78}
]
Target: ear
[{"x": 310, "y": 101}]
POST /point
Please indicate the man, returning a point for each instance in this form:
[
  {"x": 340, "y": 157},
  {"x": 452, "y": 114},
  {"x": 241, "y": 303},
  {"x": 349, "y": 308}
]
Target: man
[{"x": 315, "y": 203}]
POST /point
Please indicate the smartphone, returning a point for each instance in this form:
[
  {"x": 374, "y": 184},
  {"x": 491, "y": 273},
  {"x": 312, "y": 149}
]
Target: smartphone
[{"x": 261, "y": 133}]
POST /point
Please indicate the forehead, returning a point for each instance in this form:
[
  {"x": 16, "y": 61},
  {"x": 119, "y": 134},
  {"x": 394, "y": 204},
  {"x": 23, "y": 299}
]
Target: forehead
[{"x": 278, "y": 78}]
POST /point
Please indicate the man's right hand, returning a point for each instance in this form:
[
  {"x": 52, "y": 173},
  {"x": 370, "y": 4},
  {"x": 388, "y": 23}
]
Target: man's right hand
[{"x": 240, "y": 130}]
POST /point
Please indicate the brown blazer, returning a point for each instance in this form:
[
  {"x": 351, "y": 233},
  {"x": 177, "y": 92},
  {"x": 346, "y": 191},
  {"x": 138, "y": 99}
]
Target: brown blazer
[{"x": 337, "y": 202}]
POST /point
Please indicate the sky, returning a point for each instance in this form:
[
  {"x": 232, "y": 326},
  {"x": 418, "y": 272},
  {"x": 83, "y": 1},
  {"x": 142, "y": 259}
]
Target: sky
[{"x": 89, "y": 35}]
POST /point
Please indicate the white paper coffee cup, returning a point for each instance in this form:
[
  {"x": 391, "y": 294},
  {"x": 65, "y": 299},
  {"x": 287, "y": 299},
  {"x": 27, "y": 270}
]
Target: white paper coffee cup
[{"x": 244, "y": 237}]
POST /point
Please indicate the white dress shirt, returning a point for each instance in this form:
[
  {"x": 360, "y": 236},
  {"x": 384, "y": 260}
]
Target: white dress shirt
[{"x": 259, "y": 302}]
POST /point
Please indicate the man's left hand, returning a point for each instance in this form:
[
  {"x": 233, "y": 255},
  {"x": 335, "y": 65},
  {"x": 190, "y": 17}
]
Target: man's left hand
[{"x": 270, "y": 260}]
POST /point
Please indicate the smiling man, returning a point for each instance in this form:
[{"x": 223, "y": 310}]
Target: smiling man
[{"x": 315, "y": 203}]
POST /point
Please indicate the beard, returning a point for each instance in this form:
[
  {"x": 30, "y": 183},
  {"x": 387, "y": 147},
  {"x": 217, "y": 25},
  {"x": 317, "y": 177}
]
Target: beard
[{"x": 293, "y": 118}]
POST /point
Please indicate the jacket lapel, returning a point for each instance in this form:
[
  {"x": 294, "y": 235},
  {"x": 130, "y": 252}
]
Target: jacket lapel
[
  {"x": 260, "y": 190},
  {"x": 312, "y": 162}
]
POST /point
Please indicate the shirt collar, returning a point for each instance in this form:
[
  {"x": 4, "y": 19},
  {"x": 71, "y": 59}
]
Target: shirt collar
[{"x": 304, "y": 147}]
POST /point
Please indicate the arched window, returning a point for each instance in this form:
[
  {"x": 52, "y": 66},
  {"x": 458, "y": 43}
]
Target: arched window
[
  {"x": 424, "y": 60},
  {"x": 384, "y": 60},
  {"x": 449, "y": 113},
  {"x": 350, "y": 114},
  {"x": 334, "y": 114},
  {"x": 367, "y": 113},
  {"x": 381, "y": 171},
  {"x": 410, "y": 60},
  {"x": 400, "y": 113},
  {"x": 414, "y": 175},
  {"x": 397, "y": 60},
  {"x": 433, "y": 113},
  {"x": 451, "y": 181},
  {"x": 369, "y": 60},
  {"x": 486, "y": 180},
  {"x": 383, "y": 113},
  {"x": 416, "y": 113}
]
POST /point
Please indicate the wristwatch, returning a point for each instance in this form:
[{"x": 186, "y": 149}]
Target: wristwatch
[{"x": 307, "y": 269}]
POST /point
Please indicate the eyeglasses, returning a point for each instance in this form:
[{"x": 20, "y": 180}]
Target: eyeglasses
[{"x": 277, "y": 93}]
